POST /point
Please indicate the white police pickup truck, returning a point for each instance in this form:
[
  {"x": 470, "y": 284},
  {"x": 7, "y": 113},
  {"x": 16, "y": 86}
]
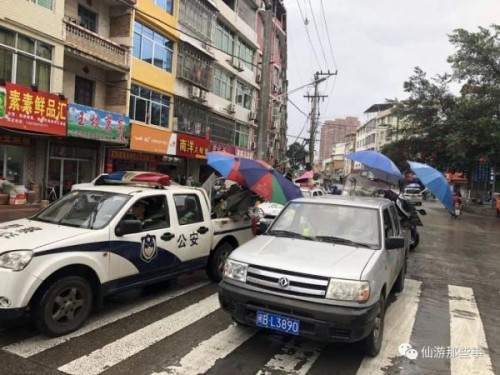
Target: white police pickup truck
[
  {"x": 323, "y": 270},
  {"x": 103, "y": 239}
]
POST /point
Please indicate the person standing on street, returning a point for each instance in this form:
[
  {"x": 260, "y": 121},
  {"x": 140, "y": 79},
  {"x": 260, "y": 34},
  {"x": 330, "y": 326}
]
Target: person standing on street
[
  {"x": 498, "y": 205},
  {"x": 189, "y": 181}
]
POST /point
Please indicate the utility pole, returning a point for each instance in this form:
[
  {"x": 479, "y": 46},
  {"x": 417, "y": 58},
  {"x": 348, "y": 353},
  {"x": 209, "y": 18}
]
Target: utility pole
[
  {"x": 314, "y": 111},
  {"x": 262, "y": 131}
]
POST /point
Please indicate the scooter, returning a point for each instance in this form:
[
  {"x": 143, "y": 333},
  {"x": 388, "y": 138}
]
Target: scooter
[{"x": 457, "y": 210}]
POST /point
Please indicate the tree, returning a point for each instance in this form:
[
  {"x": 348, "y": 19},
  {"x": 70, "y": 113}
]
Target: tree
[{"x": 296, "y": 156}]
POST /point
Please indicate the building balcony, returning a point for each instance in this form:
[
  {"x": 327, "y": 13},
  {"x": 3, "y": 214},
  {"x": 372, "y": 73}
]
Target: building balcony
[{"x": 87, "y": 44}]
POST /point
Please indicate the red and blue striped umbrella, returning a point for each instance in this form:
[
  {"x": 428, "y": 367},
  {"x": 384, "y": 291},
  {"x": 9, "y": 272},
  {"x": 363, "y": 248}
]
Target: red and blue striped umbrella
[{"x": 226, "y": 164}]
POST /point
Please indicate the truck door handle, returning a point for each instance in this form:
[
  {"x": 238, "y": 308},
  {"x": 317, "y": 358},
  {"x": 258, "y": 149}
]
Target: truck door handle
[
  {"x": 202, "y": 230},
  {"x": 167, "y": 236}
]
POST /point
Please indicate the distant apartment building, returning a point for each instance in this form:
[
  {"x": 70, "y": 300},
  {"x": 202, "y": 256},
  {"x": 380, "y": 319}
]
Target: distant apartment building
[
  {"x": 378, "y": 129},
  {"x": 333, "y": 132}
]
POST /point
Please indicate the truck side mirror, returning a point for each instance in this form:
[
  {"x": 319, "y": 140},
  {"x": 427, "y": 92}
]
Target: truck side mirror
[
  {"x": 127, "y": 227},
  {"x": 394, "y": 243}
]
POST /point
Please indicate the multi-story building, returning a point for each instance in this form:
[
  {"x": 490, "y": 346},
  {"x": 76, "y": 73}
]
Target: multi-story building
[
  {"x": 32, "y": 56},
  {"x": 333, "y": 132},
  {"x": 98, "y": 86},
  {"x": 378, "y": 128}
]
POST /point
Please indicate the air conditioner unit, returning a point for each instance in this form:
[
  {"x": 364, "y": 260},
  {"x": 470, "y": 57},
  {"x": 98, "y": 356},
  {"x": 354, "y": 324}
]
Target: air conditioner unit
[
  {"x": 194, "y": 92},
  {"x": 241, "y": 66},
  {"x": 231, "y": 108},
  {"x": 258, "y": 78},
  {"x": 276, "y": 124},
  {"x": 252, "y": 115},
  {"x": 203, "y": 95},
  {"x": 206, "y": 46}
]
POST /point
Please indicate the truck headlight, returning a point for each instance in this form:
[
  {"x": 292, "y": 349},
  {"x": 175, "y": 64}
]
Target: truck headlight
[
  {"x": 348, "y": 290},
  {"x": 235, "y": 270},
  {"x": 16, "y": 260}
]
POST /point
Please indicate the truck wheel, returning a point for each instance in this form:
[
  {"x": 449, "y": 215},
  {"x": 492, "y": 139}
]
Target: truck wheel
[
  {"x": 372, "y": 343},
  {"x": 63, "y": 306},
  {"x": 399, "y": 285},
  {"x": 414, "y": 241},
  {"x": 215, "y": 267}
]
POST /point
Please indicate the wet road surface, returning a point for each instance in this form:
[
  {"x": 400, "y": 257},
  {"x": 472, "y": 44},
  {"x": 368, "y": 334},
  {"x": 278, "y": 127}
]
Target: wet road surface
[{"x": 448, "y": 314}]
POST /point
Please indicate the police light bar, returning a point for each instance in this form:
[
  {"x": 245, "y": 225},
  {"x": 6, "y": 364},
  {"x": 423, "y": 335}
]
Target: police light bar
[{"x": 152, "y": 178}]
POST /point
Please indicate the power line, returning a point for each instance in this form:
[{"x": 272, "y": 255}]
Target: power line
[
  {"x": 328, "y": 35},
  {"x": 317, "y": 32},
  {"x": 308, "y": 36}
]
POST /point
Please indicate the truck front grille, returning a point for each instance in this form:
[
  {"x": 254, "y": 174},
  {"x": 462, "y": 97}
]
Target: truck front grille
[{"x": 287, "y": 282}]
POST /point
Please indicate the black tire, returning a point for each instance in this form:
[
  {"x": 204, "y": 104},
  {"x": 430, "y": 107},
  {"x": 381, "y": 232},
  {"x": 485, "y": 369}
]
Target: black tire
[
  {"x": 63, "y": 306},
  {"x": 399, "y": 285},
  {"x": 372, "y": 343},
  {"x": 414, "y": 243},
  {"x": 215, "y": 266}
]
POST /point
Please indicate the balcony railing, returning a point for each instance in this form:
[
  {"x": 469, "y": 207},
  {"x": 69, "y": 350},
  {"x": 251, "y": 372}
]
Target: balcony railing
[{"x": 91, "y": 43}]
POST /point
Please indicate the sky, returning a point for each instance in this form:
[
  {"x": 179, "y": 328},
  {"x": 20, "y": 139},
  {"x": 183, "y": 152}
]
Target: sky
[{"x": 375, "y": 46}]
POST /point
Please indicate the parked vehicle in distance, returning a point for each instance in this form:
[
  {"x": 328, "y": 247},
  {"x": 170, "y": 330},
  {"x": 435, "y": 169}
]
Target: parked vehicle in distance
[
  {"x": 105, "y": 238},
  {"x": 267, "y": 212},
  {"x": 312, "y": 192},
  {"x": 413, "y": 193},
  {"x": 323, "y": 270}
]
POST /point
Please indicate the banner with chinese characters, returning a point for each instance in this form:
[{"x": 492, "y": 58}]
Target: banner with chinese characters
[
  {"x": 191, "y": 147},
  {"x": 244, "y": 153},
  {"x": 217, "y": 146},
  {"x": 152, "y": 139},
  {"x": 36, "y": 111},
  {"x": 91, "y": 123}
]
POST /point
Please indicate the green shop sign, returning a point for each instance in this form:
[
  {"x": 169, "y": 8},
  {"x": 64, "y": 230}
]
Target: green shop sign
[{"x": 91, "y": 123}]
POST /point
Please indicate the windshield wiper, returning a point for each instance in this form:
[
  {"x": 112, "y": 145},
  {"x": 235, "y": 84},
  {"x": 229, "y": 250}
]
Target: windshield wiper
[
  {"x": 287, "y": 233},
  {"x": 343, "y": 241}
]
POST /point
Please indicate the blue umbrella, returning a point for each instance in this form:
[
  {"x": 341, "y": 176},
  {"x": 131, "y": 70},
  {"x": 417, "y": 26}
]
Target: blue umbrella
[
  {"x": 435, "y": 182},
  {"x": 380, "y": 165}
]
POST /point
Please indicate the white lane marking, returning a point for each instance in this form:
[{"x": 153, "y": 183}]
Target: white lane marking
[
  {"x": 399, "y": 322},
  {"x": 203, "y": 357},
  {"x": 296, "y": 358},
  {"x": 104, "y": 358},
  {"x": 38, "y": 344},
  {"x": 467, "y": 332}
]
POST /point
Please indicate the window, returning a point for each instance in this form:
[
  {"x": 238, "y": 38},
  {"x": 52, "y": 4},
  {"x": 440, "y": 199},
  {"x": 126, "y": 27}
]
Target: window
[
  {"x": 194, "y": 66},
  {"x": 188, "y": 209},
  {"x": 243, "y": 95},
  {"x": 222, "y": 84},
  {"x": 197, "y": 17},
  {"x": 88, "y": 19},
  {"x": 166, "y": 5},
  {"x": 388, "y": 224},
  {"x": 84, "y": 91},
  {"x": 241, "y": 136},
  {"x": 12, "y": 163},
  {"x": 24, "y": 60},
  {"x": 224, "y": 38},
  {"x": 148, "y": 106},
  {"x": 44, "y": 3},
  {"x": 246, "y": 54},
  {"x": 152, "y": 47},
  {"x": 151, "y": 211}
]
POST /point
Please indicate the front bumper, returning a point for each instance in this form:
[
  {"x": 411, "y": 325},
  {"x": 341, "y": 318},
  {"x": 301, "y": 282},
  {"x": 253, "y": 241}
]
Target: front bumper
[
  {"x": 17, "y": 288},
  {"x": 320, "y": 322}
]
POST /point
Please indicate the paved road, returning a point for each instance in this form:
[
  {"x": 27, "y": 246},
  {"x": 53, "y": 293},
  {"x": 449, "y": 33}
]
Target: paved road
[{"x": 448, "y": 313}]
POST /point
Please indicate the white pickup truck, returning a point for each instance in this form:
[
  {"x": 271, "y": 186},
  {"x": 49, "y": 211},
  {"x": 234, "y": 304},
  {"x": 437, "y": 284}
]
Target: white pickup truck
[
  {"x": 323, "y": 270},
  {"x": 100, "y": 240}
]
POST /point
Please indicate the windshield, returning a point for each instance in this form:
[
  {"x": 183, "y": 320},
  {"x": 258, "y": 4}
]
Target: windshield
[
  {"x": 84, "y": 209},
  {"x": 357, "y": 226}
]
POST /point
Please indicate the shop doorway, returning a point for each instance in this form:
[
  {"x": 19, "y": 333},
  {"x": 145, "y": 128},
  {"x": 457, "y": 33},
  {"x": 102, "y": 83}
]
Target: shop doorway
[{"x": 63, "y": 173}]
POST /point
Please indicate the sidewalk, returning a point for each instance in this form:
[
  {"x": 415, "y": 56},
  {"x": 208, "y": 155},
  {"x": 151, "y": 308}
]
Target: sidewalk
[
  {"x": 12, "y": 212},
  {"x": 480, "y": 209}
]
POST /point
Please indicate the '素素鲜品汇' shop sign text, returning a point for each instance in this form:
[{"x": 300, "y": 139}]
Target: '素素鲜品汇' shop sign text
[{"x": 36, "y": 111}]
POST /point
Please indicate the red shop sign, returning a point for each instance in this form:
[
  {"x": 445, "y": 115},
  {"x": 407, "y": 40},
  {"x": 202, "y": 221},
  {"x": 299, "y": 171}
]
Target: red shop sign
[
  {"x": 217, "y": 146},
  {"x": 36, "y": 111},
  {"x": 192, "y": 147}
]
